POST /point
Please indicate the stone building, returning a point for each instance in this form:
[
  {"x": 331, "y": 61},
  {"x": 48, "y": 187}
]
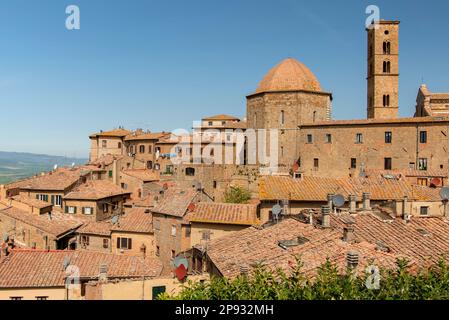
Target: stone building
[
  {"x": 96, "y": 200},
  {"x": 383, "y": 70},
  {"x": 431, "y": 104},
  {"x": 107, "y": 142},
  {"x": 288, "y": 96}
]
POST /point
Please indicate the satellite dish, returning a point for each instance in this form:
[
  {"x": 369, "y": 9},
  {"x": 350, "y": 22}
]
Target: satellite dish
[
  {"x": 73, "y": 165},
  {"x": 181, "y": 261},
  {"x": 66, "y": 262},
  {"x": 55, "y": 167},
  {"x": 277, "y": 209},
  {"x": 338, "y": 200},
  {"x": 114, "y": 219},
  {"x": 444, "y": 193}
]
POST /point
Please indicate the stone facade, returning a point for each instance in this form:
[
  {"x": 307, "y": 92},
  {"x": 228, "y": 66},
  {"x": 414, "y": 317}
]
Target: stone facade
[
  {"x": 383, "y": 70},
  {"x": 356, "y": 145}
]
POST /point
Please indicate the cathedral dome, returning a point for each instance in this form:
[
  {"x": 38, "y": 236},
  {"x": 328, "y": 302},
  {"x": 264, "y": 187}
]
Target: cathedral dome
[{"x": 289, "y": 75}]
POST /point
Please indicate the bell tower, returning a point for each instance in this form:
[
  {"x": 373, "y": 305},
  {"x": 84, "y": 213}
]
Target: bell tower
[{"x": 383, "y": 70}]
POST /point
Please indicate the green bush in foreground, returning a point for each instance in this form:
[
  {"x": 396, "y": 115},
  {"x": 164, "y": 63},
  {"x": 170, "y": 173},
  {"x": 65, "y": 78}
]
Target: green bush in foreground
[
  {"x": 236, "y": 194},
  {"x": 261, "y": 284}
]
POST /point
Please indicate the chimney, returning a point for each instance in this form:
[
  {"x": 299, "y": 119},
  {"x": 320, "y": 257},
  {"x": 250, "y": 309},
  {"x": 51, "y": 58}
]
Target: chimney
[
  {"x": 103, "y": 276},
  {"x": 348, "y": 234},
  {"x": 405, "y": 207},
  {"x": 352, "y": 204},
  {"x": 244, "y": 270},
  {"x": 352, "y": 259},
  {"x": 366, "y": 201},
  {"x": 311, "y": 217},
  {"x": 326, "y": 219},
  {"x": 330, "y": 198}
]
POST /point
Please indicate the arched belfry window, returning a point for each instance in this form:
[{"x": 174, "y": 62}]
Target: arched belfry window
[
  {"x": 386, "y": 100},
  {"x": 387, "y": 67},
  {"x": 387, "y": 47}
]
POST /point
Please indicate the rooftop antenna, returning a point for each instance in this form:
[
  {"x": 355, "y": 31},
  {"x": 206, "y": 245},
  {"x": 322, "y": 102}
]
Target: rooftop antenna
[
  {"x": 338, "y": 201},
  {"x": 276, "y": 211},
  {"x": 66, "y": 262}
]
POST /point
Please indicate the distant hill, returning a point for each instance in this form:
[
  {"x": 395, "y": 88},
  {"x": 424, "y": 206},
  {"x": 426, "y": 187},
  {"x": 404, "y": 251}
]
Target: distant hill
[{"x": 19, "y": 165}]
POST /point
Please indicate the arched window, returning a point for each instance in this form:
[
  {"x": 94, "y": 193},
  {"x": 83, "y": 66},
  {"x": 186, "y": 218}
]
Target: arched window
[
  {"x": 387, "y": 47},
  {"x": 387, "y": 67},
  {"x": 314, "y": 116},
  {"x": 386, "y": 100}
]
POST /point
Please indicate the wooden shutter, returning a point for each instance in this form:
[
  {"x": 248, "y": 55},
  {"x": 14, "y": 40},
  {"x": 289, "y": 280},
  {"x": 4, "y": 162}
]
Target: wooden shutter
[
  {"x": 52, "y": 199},
  {"x": 129, "y": 243},
  {"x": 118, "y": 243},
  {"x": 66, "y": 209}
]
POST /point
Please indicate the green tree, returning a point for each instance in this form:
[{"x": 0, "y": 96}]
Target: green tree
[{"x": 236, "y": 194}]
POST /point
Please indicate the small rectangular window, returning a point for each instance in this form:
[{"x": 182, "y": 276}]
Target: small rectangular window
[
  {"x": 88, "y": 210},
  {"x": 158, "y": 251},
  {"x": 309, "y": 138},
  {"x": 353, "y": 163},
  {"x": 105, "y": 243},
  {"x": 359, "y": 138},
  {"x": 422, "y": 164},
  {"x": 42, "y": 298},
  {"x": 388, "y": 137},
  {"x": 316, "y": 163},
  {"x": 424, "y": 211},
  {"x": 85, "y": 240},
  {"x": 173, "y": 230},
  {"x": 328, "y": 138},
  {"x": 104, "y": 143},
  {"x": 16, "y": 298},
  {"x": 387, "y": 163},
  {"x": 205, "y": 235},
  {"x": 423, "y": 137},
  {"x": 105, "y": 208},
  {"x": 188, "y": 231}
]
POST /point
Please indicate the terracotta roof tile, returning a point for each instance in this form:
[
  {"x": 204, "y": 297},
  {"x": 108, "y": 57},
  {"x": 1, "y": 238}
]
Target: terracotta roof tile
[
  {"x": 113, "y": 133},
  {"x": 101, "y": 228},
  {"x": 317, "y": 188},
  {"x": 221, "y": 117},
  {"x": 146, "y": 136},
  {"x": 95, "y": 190},
  {"x": 143, "y": 174},
  {"x": 253, "y": 246},
  {"x": 224, "y": 213},
  {"x": 33, "y": 202},
  {"x": 135, "y": 220},
  {"x": 58, "y": 180},
  {"x": 59, "y": 224},
  {"x": 33, "y": 268},
  {"x": 175, "y": 202}
]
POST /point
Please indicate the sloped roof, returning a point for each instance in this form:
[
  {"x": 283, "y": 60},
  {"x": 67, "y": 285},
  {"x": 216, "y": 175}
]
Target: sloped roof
[
  {"x": 146, "y": 136},
  {"x": 101, "y": 228},
  {"x": 135, "y": 220},
  {"x": 175, "y": 202},
  {"x": 38, "y": 269},
  {"x": 221, "y": 117},
  {"x": 58, "y": 180},
  {"x": 31, "y": 201},
  {"x": 112, "y": 133},
  {"x": 253, "y": 246},
  {"x": 58, "y": 225},
  {"x": 317, "y": 188},
  {"x": 145, "y": 175},
  {"x": 95, "y": 190},
  {"x": 224, "y": 213}
]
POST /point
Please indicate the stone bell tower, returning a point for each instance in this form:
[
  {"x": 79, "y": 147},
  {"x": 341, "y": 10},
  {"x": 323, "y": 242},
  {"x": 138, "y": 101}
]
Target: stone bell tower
[{"x": 383, "y": 70}]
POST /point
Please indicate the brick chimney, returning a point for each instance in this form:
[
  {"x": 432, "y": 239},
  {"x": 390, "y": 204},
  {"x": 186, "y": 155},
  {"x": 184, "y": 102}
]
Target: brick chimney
[
  {"x": 325, "y": 219},
  {"x": 330, "y": 198},
  {"x": 352, "y": 203},
  {"x": 405, "y": 207},
  {"x": 348, "y": 233},
  {"x": 366, "y": 201}
]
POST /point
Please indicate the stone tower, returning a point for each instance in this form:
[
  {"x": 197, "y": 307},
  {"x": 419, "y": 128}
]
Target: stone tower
[
  {"x": 288, "y": 96},
  {"x": 383, "y": 70}
]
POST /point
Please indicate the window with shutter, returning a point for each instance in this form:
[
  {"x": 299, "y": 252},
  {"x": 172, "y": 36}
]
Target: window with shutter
[
  {"x": 118, "y": 243},
  {"x": 129, "y": 243}
]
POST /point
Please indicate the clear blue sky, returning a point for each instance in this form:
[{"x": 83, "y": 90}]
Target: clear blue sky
[{"x": 161, "y": 64}]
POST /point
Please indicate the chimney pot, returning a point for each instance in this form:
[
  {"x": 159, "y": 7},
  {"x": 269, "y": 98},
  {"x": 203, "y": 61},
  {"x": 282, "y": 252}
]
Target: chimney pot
[
  {"x": 352, "y": 259},
  {"x": 366, "y": 201},
  {"x": 325, "y": 211},
  {"x": 348, "y": 234}
]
